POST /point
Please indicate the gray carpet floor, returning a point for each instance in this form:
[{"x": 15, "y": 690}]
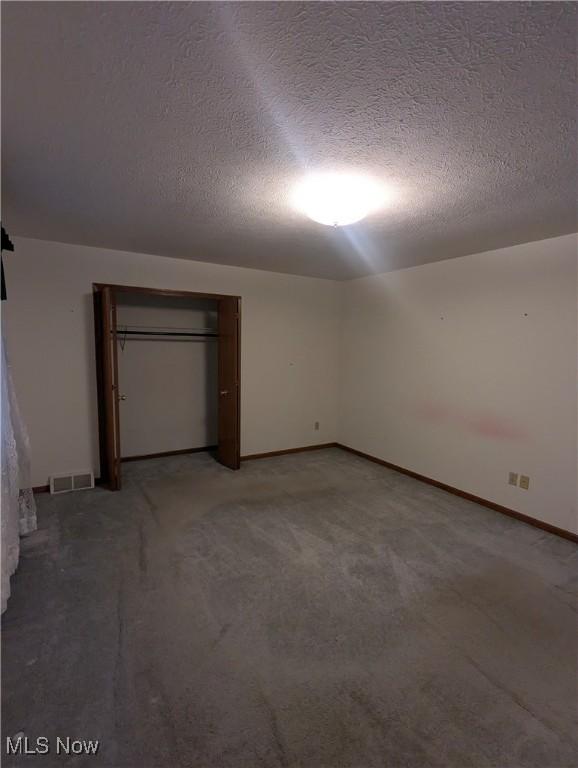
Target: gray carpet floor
[{"x": 311, "y": 610}]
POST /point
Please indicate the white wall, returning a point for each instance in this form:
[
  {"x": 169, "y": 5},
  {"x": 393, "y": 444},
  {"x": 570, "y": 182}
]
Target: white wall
[
  {"x": 464, "y": 370},
  {"x": 289, "y": 346},
  {"x": 488, "y": 389},
  {"x": 170, "y": 383}
]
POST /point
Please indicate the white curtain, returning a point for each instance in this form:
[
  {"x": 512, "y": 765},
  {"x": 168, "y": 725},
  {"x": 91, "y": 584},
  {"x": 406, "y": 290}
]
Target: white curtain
[{"x": 18, "y": 512}]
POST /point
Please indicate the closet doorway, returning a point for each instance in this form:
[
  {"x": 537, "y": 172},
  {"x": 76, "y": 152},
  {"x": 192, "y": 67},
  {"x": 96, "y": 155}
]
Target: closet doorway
[{"x": 177, "y": 355}]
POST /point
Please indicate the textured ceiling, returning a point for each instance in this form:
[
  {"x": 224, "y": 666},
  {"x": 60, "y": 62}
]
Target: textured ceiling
[{"x": 178, "y": 128}]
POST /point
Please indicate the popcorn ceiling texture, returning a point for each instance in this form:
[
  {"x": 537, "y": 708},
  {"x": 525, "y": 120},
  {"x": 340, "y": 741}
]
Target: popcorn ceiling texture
[{"x": 178, "y": 128}]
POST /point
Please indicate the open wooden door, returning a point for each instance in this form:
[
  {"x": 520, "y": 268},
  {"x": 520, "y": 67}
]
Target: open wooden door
[
  {"x": 229, "y": 448},
  {"x": 107, "y": 382}
]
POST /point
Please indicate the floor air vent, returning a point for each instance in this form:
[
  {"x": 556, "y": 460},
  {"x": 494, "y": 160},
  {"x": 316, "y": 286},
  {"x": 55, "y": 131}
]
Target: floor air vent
[{"x": 77, "y": 482}]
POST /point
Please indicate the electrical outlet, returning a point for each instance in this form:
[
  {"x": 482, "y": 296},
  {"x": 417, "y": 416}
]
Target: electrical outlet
[
  {"x": 513, "y": 478},
  {"x": 524, "y": 482},
  {"x": 316, "y": 425}
]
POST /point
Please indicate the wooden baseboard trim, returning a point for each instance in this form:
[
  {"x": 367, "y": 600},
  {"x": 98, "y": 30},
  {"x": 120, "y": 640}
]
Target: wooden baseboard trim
[
  {"x": 444, "y": 487},
  {"x": 180, "y": 452},
  {"x": 318, "y": 447},
  {"x": 465, "y": 495}
]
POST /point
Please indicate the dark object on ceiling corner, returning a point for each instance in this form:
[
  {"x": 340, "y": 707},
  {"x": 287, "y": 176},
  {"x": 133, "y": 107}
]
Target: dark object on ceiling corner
[{"x": 7, "y": 245}]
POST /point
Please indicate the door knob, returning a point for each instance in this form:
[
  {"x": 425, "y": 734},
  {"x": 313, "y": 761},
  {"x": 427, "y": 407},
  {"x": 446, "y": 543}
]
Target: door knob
[
  {"x": 224, "y": 392},
  {"x": 122, "y": 397}
]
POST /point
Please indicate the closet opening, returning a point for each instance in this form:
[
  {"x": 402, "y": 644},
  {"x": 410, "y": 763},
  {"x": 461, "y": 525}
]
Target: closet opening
[{"x": 167, "y": 375}]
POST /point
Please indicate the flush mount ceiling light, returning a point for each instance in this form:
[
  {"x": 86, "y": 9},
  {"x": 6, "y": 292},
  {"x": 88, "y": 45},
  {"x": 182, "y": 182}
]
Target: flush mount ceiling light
[{"x": 337, "y": 199}]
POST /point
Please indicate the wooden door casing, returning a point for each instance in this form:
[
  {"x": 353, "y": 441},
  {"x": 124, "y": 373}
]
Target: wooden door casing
[
  {"x": 229, "y": 438},
  {"x": 228, "y": 394},
  {"x": 107, "y": 383}
]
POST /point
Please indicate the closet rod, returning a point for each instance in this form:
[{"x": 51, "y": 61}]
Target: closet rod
[{"x": 122, "y": 332}]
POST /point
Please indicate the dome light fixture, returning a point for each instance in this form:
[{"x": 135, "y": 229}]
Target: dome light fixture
[{"x": 337, "y": 199}]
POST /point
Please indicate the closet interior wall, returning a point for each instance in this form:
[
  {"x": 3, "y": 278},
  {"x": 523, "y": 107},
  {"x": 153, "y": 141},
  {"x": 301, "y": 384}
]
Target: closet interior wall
[{"x": 167, "y": 383}]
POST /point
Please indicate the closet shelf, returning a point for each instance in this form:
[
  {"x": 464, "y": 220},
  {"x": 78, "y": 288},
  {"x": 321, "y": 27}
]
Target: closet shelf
[{"x": 167, "y": 332}]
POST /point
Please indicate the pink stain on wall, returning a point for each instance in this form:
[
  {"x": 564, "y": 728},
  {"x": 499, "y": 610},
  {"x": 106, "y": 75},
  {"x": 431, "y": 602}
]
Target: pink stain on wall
[
  {"x": 495, "y": 428},
  {"x": 485, "y": 424},
  {"x": 434, "y": 412}
]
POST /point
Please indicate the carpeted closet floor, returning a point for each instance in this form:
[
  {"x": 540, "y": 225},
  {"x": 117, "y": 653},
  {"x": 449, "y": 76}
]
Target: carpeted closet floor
[{"x": 313, "y": 610}]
